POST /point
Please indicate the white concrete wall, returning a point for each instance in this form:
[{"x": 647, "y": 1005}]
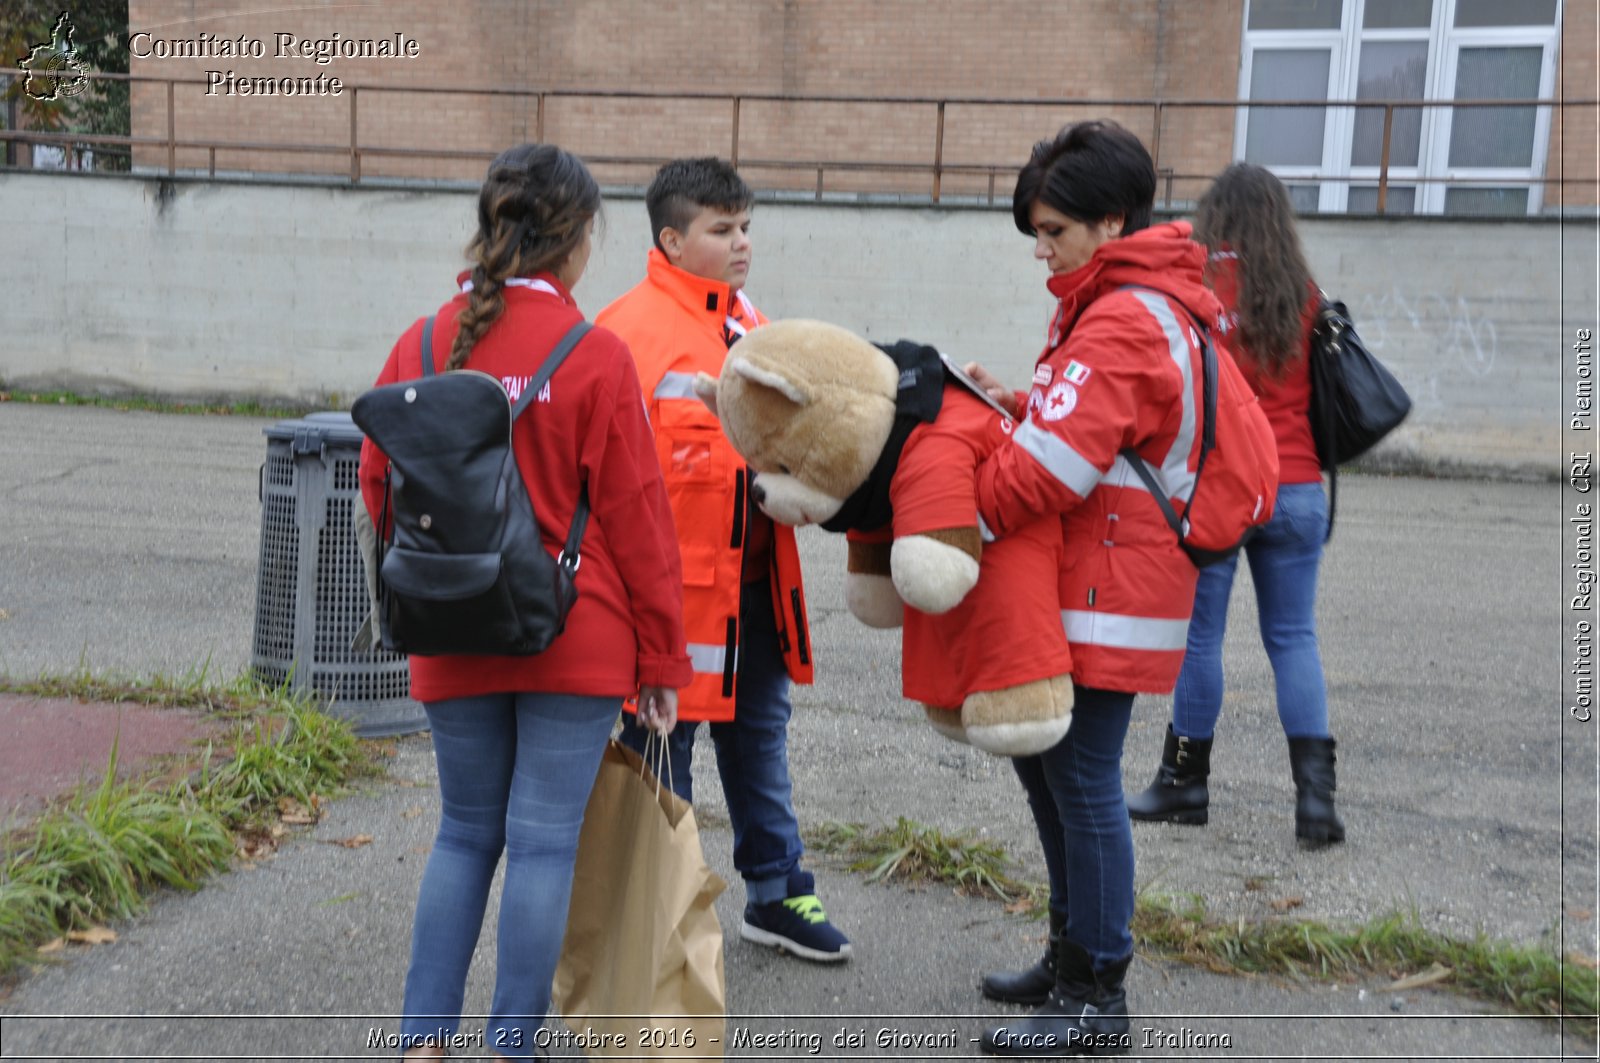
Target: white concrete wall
[{"x": 297, "y": 292}]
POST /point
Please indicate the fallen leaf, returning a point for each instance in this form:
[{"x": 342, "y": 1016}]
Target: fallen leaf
[
  {"x": 1283, "y": 904},
  {"x": 5, "y": 614},
  {"x": 1435, "y": 973},
  {"x": 1583, "y": 961},
  {"x": 259, "y": 844},
  {"x": 413, "y": 812},
  {"x": 1582, "y": 914},
  {"x": 295, "y": 814},
  {"x": 53, "y": 945},
  {"x": 1020, "y": 905},
  {"x": 95, "y": 935},
  {"x": 354, "y": 843}
]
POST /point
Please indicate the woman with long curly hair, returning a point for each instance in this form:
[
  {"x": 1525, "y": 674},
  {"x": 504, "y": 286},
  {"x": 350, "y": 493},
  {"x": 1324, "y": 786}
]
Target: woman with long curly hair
[
  {"x": 1259, "y": 272},
  {"x": 518, "y": 740}
]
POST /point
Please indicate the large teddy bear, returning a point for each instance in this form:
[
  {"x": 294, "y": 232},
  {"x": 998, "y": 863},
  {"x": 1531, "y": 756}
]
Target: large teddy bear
[{"x": 884, "y": 444}]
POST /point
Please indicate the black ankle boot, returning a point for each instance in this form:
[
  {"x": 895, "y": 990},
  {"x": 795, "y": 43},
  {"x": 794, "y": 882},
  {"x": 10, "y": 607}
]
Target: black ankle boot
[
  {"x": 1086, "y": 1013},
  {"x": 1179, "y": 793},
  {"x": 1315, "y": 821},
  {"x": 1030, "y": 986}
]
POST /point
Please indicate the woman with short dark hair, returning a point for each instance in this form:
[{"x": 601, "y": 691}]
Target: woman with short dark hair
[{"x": 1122, "y": 369}]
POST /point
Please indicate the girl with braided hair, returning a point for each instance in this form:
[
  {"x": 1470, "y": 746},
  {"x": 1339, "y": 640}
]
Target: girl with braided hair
[{"x": 518, "y": 740}]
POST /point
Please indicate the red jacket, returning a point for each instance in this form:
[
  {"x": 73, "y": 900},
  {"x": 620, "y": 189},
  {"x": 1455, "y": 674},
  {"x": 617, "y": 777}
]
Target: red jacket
[
  {"x": 627, "y": 626},
  {"x": 1122, "y": 368},
  {"x": 1285, "y": 401},
  {"x": 678, "y": 324}
]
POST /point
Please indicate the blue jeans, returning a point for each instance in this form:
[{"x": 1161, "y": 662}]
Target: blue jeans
[
  {"x": 752, "y": 755},
  {"x": 515, "y": 772},
  {"x": 1075, "y": 792},
  {"x": 1284, "y": 557}
]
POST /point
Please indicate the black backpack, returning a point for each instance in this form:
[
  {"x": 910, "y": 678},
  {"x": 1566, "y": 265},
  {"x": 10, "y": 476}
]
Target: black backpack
[{"x": 465, "y": 571}]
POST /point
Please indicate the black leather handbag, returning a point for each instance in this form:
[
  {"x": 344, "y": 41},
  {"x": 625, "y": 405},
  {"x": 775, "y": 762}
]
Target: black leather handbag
[{"x": 1355, "y": 400}]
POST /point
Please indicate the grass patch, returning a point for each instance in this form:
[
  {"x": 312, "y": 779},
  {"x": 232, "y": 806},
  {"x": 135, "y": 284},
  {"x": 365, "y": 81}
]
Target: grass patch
[
  {"x": 153, "y": 404},
  {"x": 913, "y": 852},
  {"x": 1526, "y": 979},
  {"x": 98, "y": 854}
]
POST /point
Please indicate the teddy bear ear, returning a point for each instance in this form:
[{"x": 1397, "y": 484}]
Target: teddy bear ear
[{"x": 769, "y": 378}]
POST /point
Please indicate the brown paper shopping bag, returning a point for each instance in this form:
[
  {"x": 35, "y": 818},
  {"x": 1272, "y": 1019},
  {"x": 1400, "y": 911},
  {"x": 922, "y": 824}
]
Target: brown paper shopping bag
[{"x": 643, "y": 939}]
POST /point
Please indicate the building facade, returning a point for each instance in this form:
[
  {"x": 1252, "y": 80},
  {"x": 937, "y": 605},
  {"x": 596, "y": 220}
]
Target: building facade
[{"x": 898, "y": 98}]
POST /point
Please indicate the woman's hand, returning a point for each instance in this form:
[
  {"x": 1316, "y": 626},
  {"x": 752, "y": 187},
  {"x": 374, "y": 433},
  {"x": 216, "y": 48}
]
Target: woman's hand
[
  {"x": 658, "y": 709},
  {"x": 993, "y": 388}
]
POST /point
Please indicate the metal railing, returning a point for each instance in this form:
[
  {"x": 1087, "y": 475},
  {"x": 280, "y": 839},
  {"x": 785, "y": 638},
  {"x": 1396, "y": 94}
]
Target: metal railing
[{"x": 354, "y": 152}]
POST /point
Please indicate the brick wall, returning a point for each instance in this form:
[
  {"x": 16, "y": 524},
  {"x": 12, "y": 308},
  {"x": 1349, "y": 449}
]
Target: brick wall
[
  {"x": 1110, "y": 52},
  {"x": 1573, "y": 146},
  {"x": 1086, "y": 49}
]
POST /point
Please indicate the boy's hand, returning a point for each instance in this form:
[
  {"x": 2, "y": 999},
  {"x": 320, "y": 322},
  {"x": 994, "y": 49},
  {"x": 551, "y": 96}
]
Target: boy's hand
[
  {"x": 658, "y": 709},
  {"x": 993, "y": 388}
]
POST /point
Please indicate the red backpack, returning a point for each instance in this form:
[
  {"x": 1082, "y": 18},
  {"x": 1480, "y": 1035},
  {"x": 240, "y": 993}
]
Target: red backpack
[{"x": 1236, "y": 482}]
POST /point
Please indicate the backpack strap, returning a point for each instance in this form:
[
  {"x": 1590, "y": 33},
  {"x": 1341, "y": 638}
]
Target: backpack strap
[
  {"x": 569, "y": 558},
  {"x": 1208, "y": 428},
  {"x": 552, "y": 362},
  {"x": 426, "y": 347}
]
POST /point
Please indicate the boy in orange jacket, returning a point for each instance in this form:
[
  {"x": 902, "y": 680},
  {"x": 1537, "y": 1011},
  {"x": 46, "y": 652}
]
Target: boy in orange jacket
[{"x": 744, "y": 603}]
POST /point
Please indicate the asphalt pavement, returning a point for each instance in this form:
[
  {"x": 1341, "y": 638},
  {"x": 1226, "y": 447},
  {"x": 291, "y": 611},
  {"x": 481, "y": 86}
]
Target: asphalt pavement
[{"x": 128, "y": 545}]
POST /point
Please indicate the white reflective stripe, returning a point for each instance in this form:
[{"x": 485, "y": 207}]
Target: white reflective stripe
[
  {"x": 675, "y": 386},
  {"x": 521, "y": 282},
  {"x": 707, "y": 658},
  {"x": 1174, "y": 473},
  {"x": 734, "y": 325},
  {"x": 1124, "y": 632},
  {"x": 1122, "y": 474},
  {"x": 1059, "y": 459}
]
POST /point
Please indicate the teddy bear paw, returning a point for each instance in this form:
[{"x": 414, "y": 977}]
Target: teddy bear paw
[
  {"x": 873, "y": 601},
  {"x": 931, "y": 576},
  {"x": 1019, "y": 721},
  {"x": 947, "y": 722}
]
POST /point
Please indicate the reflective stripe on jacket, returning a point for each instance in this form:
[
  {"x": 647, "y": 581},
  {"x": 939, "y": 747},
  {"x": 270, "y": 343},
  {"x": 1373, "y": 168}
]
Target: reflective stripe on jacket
[{"x": 678, "y": 324}]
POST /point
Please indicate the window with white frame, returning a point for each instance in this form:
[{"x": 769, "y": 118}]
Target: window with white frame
[{"x": 1440, "y": 159}]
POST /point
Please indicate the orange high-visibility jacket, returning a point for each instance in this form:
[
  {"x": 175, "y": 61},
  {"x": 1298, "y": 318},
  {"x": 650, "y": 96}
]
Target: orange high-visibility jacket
[{"x": 678, "y": 324}]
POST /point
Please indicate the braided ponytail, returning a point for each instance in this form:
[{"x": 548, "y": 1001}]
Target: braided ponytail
[{"x": 533, "y": 210}]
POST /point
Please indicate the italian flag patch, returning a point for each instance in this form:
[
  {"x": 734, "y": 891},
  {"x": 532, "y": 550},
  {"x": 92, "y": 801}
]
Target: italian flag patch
[{"x": 1076, "y": 372}]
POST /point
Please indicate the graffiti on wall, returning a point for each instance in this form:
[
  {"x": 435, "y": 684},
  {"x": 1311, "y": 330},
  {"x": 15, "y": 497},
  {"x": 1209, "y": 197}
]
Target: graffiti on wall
[{"x": 1463, "y": 337}]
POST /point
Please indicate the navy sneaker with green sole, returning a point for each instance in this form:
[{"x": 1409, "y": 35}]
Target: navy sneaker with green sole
[{"x": 797, "y": 924}]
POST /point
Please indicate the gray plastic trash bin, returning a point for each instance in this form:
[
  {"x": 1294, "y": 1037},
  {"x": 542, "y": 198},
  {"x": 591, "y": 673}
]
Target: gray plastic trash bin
[{"x": 311, "y": 591}]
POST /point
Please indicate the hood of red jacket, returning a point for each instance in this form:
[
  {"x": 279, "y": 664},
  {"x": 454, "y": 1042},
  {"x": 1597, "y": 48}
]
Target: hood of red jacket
[{"x": 1161, "y": 257}]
